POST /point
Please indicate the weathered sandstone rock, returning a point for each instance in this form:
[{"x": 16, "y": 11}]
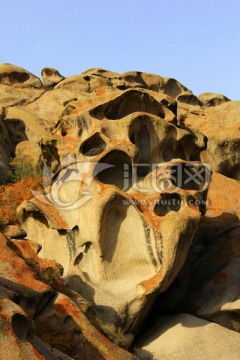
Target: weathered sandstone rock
[
  {"x": 18, "y": 77},
  {"x": 50, "y": 77},
  {"x": 38, "y": 320},
  {"x": 208, "y": 285},
  {"x": 14, "y": 96},
  {"x": 184, "y": 337},
  {"x": 221, "y": 126},
  {"x": 110, "y": 136},
  {"x": 30, "y": 152},
  {"x": 212, "y": 99},
  {"x": 127, "y": 229}
]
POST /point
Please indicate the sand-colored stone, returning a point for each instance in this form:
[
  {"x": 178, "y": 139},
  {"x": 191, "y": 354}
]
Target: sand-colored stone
[
  {"x": 208, "y": 284},
  {"x": 212, "y": 99},
  {"x": 30, "y": 152},
  {"x": 185, "y": 337},
  {"x": 106, "y": 252},
  {"x": 18, "y": 77},
  {"x": 26, "y": 124},
  {"x": 113, "y": 128},
  {"x": 59, "y": 100},
  {"x": 83, "y": 83},
  {"x": 221, "y": 126},
  {"x": 41, "y": 318},
  {"x": 51, "y": 77},
  {"x": 14, "y": 232},
  {"x": 13, "y": 96}
]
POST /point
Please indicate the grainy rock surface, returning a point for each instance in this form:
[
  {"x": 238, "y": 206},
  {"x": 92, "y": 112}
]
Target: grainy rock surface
[
  {"x": 185, "y": 337},
  {"x": 51, "y": 77},
  {"x": 139, "y": 218}
]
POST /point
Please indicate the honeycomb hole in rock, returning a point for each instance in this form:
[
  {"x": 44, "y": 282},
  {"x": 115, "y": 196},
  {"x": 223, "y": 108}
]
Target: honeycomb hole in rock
[
  {"x": 172, "y": 88},
  {"x": 128, "y": 103},
  {"x": 190, "y": 176},
  {"x": 167, "y": 203},
  {"x": 20, "y": 326},
  {"x": 63, "y": 132},
  {"x": 171, "y": 151},
  {"x": 122, "y": 87},
  {"x": 93, "y": 146},
  {"x": 115, "y": 169},
  {"x": 15, "y": 77},
  {"x": 123, "y": 244},
  {"x": 139, "y": 135},
  {"x": 49, "y": 72},
  {"x": 189, "y": 99},
  {"x": 184, "y": 149}
]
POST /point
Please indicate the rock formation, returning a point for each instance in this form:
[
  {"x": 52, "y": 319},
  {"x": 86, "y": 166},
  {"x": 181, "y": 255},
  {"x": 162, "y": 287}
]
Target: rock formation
[{"x": 135, "y": 235}]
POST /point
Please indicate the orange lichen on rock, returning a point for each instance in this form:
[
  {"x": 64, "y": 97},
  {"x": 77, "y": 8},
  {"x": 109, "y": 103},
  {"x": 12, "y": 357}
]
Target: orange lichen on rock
[
  {"x": 153, "y": 283},
  {"x": 15, "y": 270},
  {"x": 12, "y": 195},
  {"x": 51, "y": 213}
]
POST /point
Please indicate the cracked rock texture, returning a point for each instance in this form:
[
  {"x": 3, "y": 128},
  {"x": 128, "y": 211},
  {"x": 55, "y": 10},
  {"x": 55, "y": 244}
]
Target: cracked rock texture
[{"x": 132, "y": 249}]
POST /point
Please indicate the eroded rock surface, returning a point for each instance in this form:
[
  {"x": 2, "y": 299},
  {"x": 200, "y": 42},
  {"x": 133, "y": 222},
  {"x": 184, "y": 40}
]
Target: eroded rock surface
[
  {"x": 220, "y": 125},
  {"x": 38, "y": 317},
  {"x": 127, "y": 146},
  {"x": 127, "y": 228},
  {"x": 185, "y": 337},
  {"x": 51, "y": 77}
]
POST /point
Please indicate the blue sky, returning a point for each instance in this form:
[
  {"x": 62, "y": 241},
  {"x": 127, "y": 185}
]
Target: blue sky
[{"x": 195, "y": 41}]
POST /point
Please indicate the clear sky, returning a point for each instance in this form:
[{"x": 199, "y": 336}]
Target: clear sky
[{"x": 194, "y": 41}]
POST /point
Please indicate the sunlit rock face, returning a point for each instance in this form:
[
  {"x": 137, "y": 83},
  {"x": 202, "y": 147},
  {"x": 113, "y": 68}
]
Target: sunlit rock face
[
  {"x": 125, "y": 192},
  {"x": 139, "y": 217}
]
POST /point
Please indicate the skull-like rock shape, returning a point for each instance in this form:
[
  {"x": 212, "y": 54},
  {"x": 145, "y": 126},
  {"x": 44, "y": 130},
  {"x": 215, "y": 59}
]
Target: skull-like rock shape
[{"x": 123, "y": 200}]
